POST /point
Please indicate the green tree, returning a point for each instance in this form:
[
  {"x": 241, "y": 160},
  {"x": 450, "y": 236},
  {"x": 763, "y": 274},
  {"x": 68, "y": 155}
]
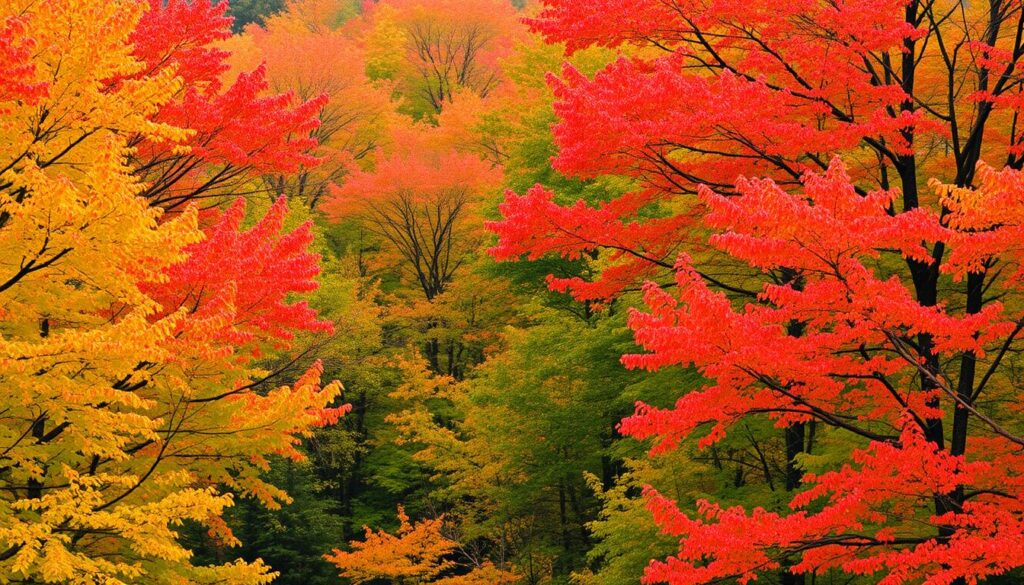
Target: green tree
[{"x": 247, "y": 12}]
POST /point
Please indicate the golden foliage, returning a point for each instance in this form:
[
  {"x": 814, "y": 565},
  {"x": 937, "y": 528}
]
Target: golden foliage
[
  {"x": 110, "y": 436},
  {"x": 418, "y": 553}
]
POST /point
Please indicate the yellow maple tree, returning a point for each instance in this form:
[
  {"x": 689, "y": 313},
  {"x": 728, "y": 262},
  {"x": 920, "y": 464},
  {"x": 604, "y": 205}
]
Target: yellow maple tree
[{"x": 112, "y": 435}]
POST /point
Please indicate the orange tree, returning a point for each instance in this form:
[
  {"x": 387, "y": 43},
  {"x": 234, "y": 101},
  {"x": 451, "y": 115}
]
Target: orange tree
[{"x": 418, "y": 554}]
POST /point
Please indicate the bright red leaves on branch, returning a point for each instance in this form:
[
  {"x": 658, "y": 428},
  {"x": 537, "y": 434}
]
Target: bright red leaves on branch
[
  {"x": 17, "y": 71},
  {"x": 848, "y": 294},
  {"x": 708, "y": 92},
  {"x": 781, "y": 90},
  {"x": 533, "y": 225},
  {"x": 240, "y": 129},
  {"x": 242, "y": 280},
  {"x": 854, "y": 367}
]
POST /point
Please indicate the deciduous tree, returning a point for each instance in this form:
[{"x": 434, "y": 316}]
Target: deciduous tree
[
  {"x": 903, "y": 91},
  {"x": 436, "y": 48},
  {"x": 308, "y": 59},
  {"x": 236, "y": 130},
  {"x": 129, "y": 334},
  {"x": 422, "y": 200},
  {"x": 418, "y": 553}
]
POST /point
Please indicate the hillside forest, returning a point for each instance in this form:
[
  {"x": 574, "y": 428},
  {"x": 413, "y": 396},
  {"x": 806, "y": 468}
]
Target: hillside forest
[{"x": 487, "y": 292}]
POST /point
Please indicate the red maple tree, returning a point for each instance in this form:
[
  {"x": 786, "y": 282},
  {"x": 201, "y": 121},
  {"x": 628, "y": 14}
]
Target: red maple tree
[
  {"x": 238, "y": 131},
  {"x": 881, "y": 308},
  {"x": 236, "y": 283},
  {"x": 243, "y": 280}
]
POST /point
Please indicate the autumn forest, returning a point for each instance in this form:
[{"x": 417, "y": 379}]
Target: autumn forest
[{"x": 498, "y": 292}]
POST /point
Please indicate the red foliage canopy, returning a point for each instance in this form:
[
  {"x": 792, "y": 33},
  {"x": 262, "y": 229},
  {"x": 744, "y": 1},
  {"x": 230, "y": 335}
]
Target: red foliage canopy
[
  {"x": 237, "y": 283},
  {"x": 237, "y": 131},
  {"x": 17, "y": 72},
  {"x": 882, "y": 310},
  {"x": 852, "y": 368}
]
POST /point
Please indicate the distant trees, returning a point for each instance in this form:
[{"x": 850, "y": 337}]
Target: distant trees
[
  {"x": 435, "y": 49},
  {"x": 318, "y": 63},
  {"x": 245, "y": 12},
  {"x": 423, "y": 203}
]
